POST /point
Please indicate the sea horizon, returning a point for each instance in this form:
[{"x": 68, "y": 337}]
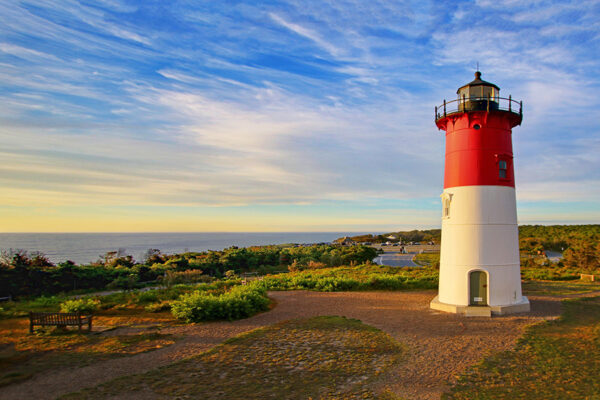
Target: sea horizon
[{"x": 87, "y": 247}]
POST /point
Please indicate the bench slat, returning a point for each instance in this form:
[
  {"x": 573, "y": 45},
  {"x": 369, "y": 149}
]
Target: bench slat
[{"x": 59, "y": 319}]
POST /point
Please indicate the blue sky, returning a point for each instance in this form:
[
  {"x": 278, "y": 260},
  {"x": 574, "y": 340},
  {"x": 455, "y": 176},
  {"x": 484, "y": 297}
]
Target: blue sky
[{"x": 282, "y": 115}]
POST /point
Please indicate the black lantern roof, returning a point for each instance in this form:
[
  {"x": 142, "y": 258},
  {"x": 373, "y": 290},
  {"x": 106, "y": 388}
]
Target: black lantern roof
[{"x": 478, "y": 82}]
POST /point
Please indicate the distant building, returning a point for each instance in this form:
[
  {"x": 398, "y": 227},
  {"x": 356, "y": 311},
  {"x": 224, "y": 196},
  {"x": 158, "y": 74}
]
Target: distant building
[{"x": 346, "y": 241}]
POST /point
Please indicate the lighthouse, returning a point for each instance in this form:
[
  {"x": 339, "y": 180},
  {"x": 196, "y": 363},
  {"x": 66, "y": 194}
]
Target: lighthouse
[{"x": 480, "y": 272}]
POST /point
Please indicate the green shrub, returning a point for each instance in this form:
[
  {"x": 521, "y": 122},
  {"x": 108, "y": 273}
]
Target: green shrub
[
  {"x": 149, "y": 296},
  {"x": 128, "y": 282},
  {"x": 239, "y": 302},
  {"x": 44, "y": 302},
  {"x": 230, "y": 274},
  {"x": 362, "y": 277},
  {"x": 158, "y": 307},
  {"x": 80, "y": 305},
  {"x": 171, "y": 278}
]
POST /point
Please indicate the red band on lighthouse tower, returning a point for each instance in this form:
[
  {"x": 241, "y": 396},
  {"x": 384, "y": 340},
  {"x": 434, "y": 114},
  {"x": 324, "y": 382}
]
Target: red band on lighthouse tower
[{"x": 479, "y": 148}]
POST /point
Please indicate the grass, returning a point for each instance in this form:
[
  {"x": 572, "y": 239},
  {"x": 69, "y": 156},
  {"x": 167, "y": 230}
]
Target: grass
[
  {"x": 13, "y": 309},
  {"x": 316, "y": 358},
  {"x": 427, "y": 259},
  {"x": 355, "y": 278},
  {"x": 23, "y": 355},
  {"x": 558, "y": 288},
  {"x": 554, "y": 360},
  {"x": 125, "y": 299}
]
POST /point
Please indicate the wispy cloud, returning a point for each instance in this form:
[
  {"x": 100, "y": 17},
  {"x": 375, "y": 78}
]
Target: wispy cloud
[
  {"x": 307, "y": 33},
  {"x": 287, "y": 103}
]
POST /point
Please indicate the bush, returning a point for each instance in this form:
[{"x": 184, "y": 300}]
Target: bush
[
  {"x": 316, "y": 265},
  {"x": 158, "y": 307},
  {"x": 44, "y": 302},
  {"x": 362, "y": 277},
  {"x": 239, "y": 302},
  {"x": 149, "y": 296},
  {"x": 230, "y": 274},
  {"x": 188, "y": 276},
  {"x": 128, "y": 282},
  {"x": 80, "y": 305}
]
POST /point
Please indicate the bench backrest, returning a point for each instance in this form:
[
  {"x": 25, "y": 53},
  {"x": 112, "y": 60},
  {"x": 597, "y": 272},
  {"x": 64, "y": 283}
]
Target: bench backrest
[{"x": 57, "y": 318}]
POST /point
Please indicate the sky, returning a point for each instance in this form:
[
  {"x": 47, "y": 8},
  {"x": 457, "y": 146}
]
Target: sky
[{"x": 282, "y": 115}]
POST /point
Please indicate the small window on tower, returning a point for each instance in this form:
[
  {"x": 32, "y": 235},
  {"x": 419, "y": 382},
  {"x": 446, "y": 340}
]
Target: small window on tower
[
  {"x": 446, "y": 197},
  {"x": 502, "y": 167}
]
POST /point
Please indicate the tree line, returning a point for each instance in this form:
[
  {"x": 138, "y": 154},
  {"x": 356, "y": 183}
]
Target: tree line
[
  {"x": 428, "y": 235},
  {"x": 24, "y": 274}
]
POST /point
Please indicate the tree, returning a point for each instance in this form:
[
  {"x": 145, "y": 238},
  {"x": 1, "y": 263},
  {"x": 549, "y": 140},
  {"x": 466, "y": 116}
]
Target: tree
[
  {"x": 584, "y": 255},
  {"x": 153, "y": 256}
]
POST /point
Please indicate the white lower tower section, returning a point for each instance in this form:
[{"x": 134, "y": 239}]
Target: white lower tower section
[{"x": 480, "y": 233}]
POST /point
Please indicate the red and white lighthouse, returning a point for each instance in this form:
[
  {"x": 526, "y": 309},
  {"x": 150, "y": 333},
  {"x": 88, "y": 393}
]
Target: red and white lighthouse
[{"x": 479, "y": 262}]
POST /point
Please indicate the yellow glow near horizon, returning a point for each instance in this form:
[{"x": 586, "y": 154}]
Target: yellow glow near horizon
[{"x": 227, "y": 220}]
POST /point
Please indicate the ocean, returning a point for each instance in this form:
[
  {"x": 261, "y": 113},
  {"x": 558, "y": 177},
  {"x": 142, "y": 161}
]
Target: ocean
[{"x": 86, "y": 247}]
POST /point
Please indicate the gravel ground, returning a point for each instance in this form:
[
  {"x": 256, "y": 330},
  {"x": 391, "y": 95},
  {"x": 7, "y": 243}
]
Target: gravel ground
[{"x": 440, "y": 345}]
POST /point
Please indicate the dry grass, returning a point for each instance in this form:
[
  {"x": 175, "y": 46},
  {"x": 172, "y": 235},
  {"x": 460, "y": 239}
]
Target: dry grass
[
  {"x": 320, "y": 357},
  {"x": 115, "y": 334},
  {"x": 559, "y": 288},
  {"x": 555, "y": 360},
  {"x": 427, "y": 259}
]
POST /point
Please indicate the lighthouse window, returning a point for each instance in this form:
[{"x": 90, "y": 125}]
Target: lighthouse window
[
  {"x": 502, "y": 167},
  {"x": 476, "y": 126},
  {"x": 446, "y": 212},
  {"x": 446, "y": 198}
]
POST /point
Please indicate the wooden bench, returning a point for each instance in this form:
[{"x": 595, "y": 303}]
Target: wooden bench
[
  {"x": 587, "y": 277},
  {"x": 59, "y": 319}
]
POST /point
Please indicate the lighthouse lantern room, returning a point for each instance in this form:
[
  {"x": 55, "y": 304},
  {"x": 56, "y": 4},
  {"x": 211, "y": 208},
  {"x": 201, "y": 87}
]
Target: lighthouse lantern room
[{"x": 479, "y": 261}]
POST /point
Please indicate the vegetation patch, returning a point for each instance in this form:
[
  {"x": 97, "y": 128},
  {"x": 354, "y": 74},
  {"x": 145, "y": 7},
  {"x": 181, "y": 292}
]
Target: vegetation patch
[
  {"x": 558, "y": 288},
  {"x": 554, "y": 360},
  {"x": 23, "y": 355},
  {"x": 318, "y": 358},
  {"x": 239, "y": 302},
  {"x": 357, "y": 278},
  {"x": 428, "y": 259},
  {"x": 23, "y": 274},
  {"x": 84, "y": 306}
]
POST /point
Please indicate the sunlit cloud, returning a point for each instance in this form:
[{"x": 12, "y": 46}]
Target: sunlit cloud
[{"x": 288, "y": 106}]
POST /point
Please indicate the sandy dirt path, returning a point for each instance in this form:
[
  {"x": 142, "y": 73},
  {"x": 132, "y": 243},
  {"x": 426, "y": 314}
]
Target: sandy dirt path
[{"x": 440, "y": 346}]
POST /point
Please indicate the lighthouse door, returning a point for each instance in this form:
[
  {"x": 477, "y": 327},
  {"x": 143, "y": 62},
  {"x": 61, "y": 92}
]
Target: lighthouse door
[{"x": 478, "y": 288}]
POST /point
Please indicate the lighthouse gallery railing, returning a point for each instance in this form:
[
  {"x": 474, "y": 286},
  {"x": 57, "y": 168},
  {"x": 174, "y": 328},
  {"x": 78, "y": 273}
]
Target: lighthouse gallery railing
[{"x": 465, "y": 104}]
